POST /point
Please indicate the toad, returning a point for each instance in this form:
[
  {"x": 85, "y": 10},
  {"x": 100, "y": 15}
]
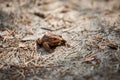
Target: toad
[{"x": 50, "y": 40}]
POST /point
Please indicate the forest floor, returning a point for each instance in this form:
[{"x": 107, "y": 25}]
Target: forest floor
[{"x": 90, "y": 27}]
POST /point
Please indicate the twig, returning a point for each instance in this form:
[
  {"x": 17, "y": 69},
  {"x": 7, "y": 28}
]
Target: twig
[{"x": 47, "y": 29}]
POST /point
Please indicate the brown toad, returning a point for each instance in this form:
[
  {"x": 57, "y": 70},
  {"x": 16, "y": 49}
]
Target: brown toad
[{"x": 50, "y": 40}]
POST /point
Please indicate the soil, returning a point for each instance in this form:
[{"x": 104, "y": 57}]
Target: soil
[{"x": 90, "y": 27}]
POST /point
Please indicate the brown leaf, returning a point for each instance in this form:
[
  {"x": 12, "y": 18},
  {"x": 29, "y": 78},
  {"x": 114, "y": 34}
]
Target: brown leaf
[
  {"x": 90, "y": 57},
  {"x": 29, "y": 30},
  {"x": 22, "y": 45},
  {"x": 7, "y": 32}
]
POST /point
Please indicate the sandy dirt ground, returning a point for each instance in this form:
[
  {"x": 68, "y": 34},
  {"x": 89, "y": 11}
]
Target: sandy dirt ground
[{"x": 90, "y": 27}]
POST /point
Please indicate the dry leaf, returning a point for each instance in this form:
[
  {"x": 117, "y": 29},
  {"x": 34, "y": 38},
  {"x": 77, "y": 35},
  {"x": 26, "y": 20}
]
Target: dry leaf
[
  {"x": 29, "y": 30},
  {"x": 7, "y": 32},
  {"x": 22, "y": 45},
  {"x": 90, "y": 57}
]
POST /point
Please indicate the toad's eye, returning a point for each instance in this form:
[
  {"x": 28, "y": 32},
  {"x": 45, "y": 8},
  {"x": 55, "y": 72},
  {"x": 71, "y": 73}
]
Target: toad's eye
[
  {"x": 60, "y": 36},
  {"x": 55, "y": 38}
]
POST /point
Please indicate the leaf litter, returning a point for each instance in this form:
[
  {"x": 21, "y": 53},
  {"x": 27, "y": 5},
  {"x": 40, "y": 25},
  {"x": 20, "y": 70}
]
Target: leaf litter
[{"x": 93, "y": 35}]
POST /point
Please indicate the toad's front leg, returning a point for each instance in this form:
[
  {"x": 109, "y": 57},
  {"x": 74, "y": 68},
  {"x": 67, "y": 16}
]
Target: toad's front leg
[
  {"x": 39, "y": 41},
  {"x": 47, "y": 47}
]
